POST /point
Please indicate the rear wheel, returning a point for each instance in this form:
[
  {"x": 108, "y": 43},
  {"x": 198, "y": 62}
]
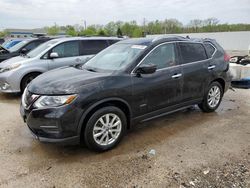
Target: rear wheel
[
  {"x": 212, "y": 98},
  {"x": 105, "y": 128},
  {"x": 27, "y": 79}
]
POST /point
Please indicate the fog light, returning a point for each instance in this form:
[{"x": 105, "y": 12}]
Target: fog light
[{"x": 4, "y": 86}]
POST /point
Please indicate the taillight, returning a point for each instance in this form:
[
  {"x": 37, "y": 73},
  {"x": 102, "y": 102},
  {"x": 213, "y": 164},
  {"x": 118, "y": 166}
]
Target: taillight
[{"x": 226, "y": 57}]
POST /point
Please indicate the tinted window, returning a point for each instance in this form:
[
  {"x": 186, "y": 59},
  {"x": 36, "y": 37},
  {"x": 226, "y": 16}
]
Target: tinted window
[
  {"x": 30, "y": 46},
  {"x": 192, "y": 52},
  {"x": 90, "y": 47},
  {"x": 210, "y": 49},
  {"x": 113, "y": 41},
  {"x": 67, "y": 49},
  {"x": 163, "y": 56}
]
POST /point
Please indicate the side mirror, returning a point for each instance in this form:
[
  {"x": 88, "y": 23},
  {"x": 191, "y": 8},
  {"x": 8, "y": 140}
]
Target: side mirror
[
  {"x": 24, "y": 51},
  {"x": 146, "y": 69},
  {"x": 53, "y": 55}
]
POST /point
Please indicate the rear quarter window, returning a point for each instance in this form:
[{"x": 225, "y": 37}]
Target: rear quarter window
[
  {"x": 92, "y": 47},
  {"x": 210, "y": 49},
  {"x": 192, "y": 52}
]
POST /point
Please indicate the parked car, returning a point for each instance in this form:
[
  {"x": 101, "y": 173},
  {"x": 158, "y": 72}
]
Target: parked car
[
  {"x": 1, "y": 41},
  {"x": 12, "y": 43},
  {"x": 132, "y": 81},
  {"x": 21, "y": 48},
  {"x": 17, "y": 72}
]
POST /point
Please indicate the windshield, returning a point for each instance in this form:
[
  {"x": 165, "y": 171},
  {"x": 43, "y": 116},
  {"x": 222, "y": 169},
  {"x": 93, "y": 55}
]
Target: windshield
[
  {"x": 18, "y": 46},
  {"x": 114, "y": 58},
  {"x": 11, "y": 44},
  {"x": 41, "y": 48}
]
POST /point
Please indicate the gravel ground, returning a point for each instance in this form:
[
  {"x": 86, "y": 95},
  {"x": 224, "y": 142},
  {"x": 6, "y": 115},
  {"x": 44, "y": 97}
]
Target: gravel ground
[{"x": 184, "y": 149}]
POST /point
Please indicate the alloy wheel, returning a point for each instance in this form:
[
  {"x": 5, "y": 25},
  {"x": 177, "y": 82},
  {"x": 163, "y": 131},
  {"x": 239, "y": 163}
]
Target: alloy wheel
[
  {"x": 214, "y": 96},
  {"x": 107, "y": 129}
]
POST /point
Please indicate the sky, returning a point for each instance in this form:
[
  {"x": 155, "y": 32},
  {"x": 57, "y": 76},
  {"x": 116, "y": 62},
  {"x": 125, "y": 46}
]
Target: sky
[{"x": 40, "y": 13}]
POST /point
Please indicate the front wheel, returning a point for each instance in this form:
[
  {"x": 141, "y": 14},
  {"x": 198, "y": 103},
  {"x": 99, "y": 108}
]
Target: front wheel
[
  {"x": 212, "y": 98},
  {"x": 105, "y": 128}
]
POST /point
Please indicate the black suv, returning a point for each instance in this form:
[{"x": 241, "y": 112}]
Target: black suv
[
  {"x": 21, "y": 48},
  {"x": 131, "y": 81}
]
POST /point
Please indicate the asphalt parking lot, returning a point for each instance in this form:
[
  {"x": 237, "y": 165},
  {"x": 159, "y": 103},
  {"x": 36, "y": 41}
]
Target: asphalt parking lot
[{"x": 185, "y": 149}]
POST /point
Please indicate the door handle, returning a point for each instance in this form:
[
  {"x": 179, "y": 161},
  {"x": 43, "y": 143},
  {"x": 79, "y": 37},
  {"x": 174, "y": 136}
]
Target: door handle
[
  {"x": 211, "y": 67},
  {"x": 176, "y": 75}
]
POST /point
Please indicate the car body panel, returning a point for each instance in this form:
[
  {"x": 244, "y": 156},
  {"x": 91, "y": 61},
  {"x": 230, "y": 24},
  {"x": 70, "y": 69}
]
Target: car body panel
[{"x": 141, "y": 96}]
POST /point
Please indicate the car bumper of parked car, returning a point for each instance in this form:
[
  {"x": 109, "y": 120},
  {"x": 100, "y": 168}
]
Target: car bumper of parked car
[
  {"x": 7, "y": 84},
  {"x": 55, "y": 125}
]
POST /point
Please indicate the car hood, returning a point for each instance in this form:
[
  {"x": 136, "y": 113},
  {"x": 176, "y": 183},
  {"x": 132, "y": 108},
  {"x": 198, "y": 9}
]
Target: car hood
[
  {"x": 65, "y": 80},
  {"x": 13, "y": 60}
]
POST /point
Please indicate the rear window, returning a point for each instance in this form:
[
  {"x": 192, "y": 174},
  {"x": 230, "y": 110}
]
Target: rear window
[
  {"x": 210, "y": 49},
  {"x": 91, "y": 47},
  {"x": 192, "y": 52}
]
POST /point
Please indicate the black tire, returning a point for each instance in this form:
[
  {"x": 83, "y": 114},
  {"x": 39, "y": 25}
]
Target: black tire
[
  {"x": 204, "y": 105},
  {"x": 89, "y": 129},
  {"x": 27, "y": 79}
]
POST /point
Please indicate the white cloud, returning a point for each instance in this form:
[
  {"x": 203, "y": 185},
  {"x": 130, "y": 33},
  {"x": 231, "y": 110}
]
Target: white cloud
[{"x": 34, "y": 13}]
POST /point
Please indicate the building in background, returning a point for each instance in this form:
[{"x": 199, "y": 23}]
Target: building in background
[{"x": 24, "y": 33}]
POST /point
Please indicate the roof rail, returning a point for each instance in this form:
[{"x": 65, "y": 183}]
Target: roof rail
[{"x": 168, "y": 36}]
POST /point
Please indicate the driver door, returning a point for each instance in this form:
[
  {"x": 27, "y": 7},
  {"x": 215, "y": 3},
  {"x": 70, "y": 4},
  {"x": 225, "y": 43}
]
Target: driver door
[{"x": 157, "y": 91}]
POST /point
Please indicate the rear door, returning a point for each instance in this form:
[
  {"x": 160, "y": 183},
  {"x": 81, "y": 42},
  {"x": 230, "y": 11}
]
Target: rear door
[
  {"x": 69, "y": 54},
  {"x": 194, "y": 62}
]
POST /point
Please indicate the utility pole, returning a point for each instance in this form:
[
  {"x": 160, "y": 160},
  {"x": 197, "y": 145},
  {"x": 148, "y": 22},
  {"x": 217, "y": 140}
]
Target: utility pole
[
  {"x": 144, "y": 27},
  {"x": 85, "y": 24}
]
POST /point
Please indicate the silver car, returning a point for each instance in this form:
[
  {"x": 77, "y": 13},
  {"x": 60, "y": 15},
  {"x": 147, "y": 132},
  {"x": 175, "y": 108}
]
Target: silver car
[{"x": 17, "y": 72}]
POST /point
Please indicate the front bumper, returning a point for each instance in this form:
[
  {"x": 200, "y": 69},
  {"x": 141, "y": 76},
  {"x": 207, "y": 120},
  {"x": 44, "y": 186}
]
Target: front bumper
[
  {"x": 7, "y": 78},
  {"x": 55, "y": 125}
]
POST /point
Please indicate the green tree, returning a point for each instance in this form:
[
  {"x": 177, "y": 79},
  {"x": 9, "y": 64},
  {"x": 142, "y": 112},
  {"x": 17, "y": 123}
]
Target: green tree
[
  {"x": 90, "y": 31},
  {"x": 137, "y": 32},
  {"x": 54, "y": 30},
  {"x": 4, "y": 33},
  {"x": 70, "y": 30},
  {"x": 101, "y": 32},
  {"x": 119, "y": 32}
]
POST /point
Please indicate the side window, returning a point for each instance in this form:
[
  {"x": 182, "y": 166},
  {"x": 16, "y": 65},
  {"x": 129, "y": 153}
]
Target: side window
[
  {"x": 67, "y": 49},
  {"x": 210, "y": 49},
  {"x": 92, "y": 47},
  {"x": 163, "y": 56},
  {"x": 30, "y": 46},
  {"x": 192, "y": 52}
]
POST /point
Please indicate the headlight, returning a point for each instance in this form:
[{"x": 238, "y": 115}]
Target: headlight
[
  {"x": 53, "y": 101},
  {"x": 8, "y": 68}
]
